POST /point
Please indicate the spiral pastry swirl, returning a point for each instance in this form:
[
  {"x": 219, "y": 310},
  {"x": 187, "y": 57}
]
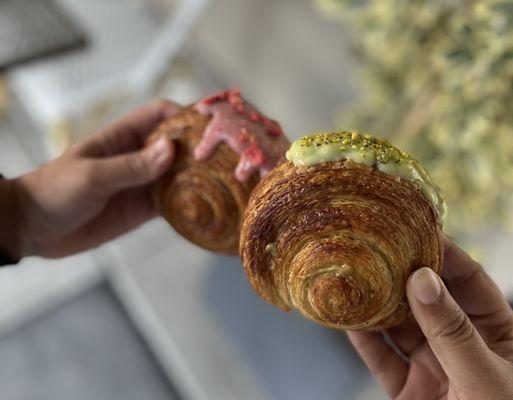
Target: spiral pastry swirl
[
  {"x": 337, "y": 241},
  {"x": 203, "y": 201}
]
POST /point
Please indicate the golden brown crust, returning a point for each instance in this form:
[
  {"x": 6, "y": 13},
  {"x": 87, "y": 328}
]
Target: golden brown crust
[
  {"x": 203, "y": 201},
  {"x": 337, "y": 241}
]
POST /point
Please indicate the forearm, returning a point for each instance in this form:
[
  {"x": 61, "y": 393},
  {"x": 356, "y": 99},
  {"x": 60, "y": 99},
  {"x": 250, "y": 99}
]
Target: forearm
[{"x": 10, "y": 220}]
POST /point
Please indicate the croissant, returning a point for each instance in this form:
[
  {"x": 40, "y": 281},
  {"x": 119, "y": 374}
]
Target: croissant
[
  {"x": 222, "y": 144},
  {"x": 335, "y": 230}
]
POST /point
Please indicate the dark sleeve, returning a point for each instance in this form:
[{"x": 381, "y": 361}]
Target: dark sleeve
[{"x": 4, "y": 258}]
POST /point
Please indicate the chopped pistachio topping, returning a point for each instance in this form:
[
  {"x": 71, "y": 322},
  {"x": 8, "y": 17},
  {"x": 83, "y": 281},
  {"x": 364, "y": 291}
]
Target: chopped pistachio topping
[{"x": 367, "y": 150}]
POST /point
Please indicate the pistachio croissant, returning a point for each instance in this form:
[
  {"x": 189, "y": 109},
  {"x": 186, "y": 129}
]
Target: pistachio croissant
[
  {"x": 336, "y": 229},
  {"x": 222, "y": 145}
]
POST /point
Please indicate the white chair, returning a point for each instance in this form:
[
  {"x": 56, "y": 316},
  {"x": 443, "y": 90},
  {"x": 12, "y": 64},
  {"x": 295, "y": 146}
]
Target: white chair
[{"x": 132, "y": 47}]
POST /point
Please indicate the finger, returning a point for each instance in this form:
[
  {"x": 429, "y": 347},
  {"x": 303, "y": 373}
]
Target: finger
[
  {"x": 129, "y": 133},
  {"x": 454, "y": 340},
  {"x": 133, "y": 169},
  {"x": 477, "y": 294},
  {"x": 407, "y": 336},
  {"x": 381, "y": 359}
]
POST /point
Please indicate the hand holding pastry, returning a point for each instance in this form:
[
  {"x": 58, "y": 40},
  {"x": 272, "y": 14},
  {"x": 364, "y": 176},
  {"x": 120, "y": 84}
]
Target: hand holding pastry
[
  {"x": 224, "y": 145},
  {"x": 336, "y": 230},
  {"x": 97, "y": 190},
  {"x": 459, "y": 345}
]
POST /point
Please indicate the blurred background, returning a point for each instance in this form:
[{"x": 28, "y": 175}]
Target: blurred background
[{"x": 149, "y": 316}]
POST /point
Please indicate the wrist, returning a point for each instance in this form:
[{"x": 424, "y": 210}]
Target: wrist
[{"x": 10, "y": 220}]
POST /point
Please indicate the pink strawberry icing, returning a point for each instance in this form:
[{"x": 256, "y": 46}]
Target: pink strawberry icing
[{"x": 258, "y": 140}]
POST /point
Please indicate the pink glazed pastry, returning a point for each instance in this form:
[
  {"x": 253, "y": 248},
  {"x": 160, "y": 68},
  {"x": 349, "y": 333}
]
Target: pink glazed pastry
[{"x": 223, "y": 146}]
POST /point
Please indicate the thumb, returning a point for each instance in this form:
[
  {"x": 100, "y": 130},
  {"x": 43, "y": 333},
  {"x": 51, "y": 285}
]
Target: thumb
[
  {"x": 453, "y": 338},
  {"x": 136, "y": 168}
]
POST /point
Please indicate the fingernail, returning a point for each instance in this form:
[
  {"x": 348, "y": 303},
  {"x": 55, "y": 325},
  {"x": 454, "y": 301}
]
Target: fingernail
[
  {"x": 159, "y": 151},
  {"x": 425, "y": 285}
]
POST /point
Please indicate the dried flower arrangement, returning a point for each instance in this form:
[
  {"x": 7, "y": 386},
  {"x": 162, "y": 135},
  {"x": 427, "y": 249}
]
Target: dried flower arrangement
[{"x": 438, "y": 81}]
